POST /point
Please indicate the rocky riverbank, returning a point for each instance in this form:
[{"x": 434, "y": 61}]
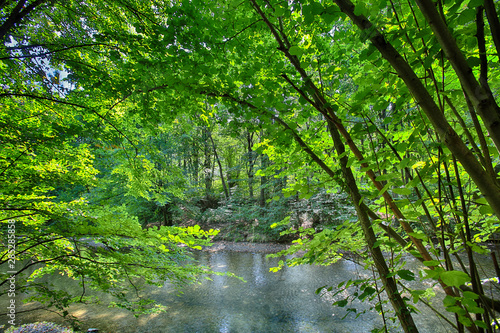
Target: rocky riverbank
[{"x": 245, "y": 247}]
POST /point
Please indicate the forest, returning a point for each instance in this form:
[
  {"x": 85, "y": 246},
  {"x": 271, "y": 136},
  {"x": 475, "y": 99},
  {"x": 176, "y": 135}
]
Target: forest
[{"x": 132, "y": 132}]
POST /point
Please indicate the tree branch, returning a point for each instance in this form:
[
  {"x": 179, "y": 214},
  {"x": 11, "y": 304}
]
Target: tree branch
[
  {"x": 17, "y": 15},
  {"x": 54, "y": 51},
  {"x": 74, "y": 105}
]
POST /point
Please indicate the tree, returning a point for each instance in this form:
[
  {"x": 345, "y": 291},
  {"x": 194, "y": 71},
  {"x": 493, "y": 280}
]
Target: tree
[{"x": 52, "y": 131}]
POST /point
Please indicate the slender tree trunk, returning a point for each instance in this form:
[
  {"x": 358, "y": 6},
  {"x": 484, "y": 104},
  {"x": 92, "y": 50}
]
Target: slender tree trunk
[
  {"x": 263, "y": 179},
  {"x": 167, "y": 215},
  {"x": 402, "y": 311},
  {"x": 263, "y": 182},
  {"x": 250, "y": 162},
  {"x": 195, "y": 159},
  {"x": 226, "y": 192},
  {"x": 491, "y": 14},
  {"x": 479, "y": 94},
  {"x": 250, "y": 185},
  {"x": 164, "y": 211},
  {"x": 207, "y": 164}
]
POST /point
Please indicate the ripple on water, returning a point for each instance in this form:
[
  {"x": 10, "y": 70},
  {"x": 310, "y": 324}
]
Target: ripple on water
[{"x": 269, "y": 302}]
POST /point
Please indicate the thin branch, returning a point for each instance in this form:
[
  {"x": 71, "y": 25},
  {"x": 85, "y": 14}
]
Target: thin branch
[
  {"x": 74, "y": 105},
  {"x": 300, "y": 91},
  {"x": 485, "y": 160},
  {"x": 491, "y": 14},
  {"x": 240, "y": 32},
  {"x": 432, "y": 308},
  {"x": 481, "y": 45},
  {"x": 54, "y": 51}
]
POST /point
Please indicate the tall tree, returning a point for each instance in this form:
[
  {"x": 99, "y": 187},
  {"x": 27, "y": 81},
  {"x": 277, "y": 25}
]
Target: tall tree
[{"x": 54, "y": 125}]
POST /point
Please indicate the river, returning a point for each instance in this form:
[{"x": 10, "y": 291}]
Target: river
[{"x": 267, "y": 302}]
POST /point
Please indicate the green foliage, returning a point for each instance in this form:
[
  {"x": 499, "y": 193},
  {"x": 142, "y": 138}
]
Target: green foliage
[
  {"x": 359, "y": 290},
  {"x": 151, "y": 113},
  {"x": 321, "y": 248},
  {"x": 454, "y": 278},
  {"x": 247, "y": 221},
  {"x": 461, "y": 306},
  {"x": 105, "y": 249}
]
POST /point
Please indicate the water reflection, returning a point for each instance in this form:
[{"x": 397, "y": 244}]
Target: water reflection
[
  {"x": 268, "y": 302},
  {"x": 258, "y": 273}
]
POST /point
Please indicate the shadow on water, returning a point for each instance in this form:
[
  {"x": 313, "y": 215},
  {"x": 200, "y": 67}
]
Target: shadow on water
[{"x": 268, "y": 302}]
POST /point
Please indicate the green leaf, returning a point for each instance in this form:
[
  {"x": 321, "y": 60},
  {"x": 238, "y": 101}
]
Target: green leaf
[
  {"x": 461, "y": 318},
  {"x": 466, "y": 16},
  {"x": 431, "y": 274},
  {"x": 454, "y": 278},
  {"x": 456, "y": 309},
  {"x": 431, "y": 263},
  {"x": 402, "y": 147},
  {"x": 477, "y": 248},
  {"x": 368, "y": 291},
  {"x": 428, "y": 61},
  {"x": 481, "y": 324},
  {"x": 305, "y": 195},
  {"x": 341, "y": 303},
  {"x": 475, "y": 3},
  {"x": 471, "y": 295},
  {"x": 418, "y": 235},
  {"x": 473, "y": 61},
  {"x": 481, "y": 201},
  {"x": 319, "y": 290},
  {"x": 279, "y": 11},
  {"x": 449, "y": 301},
  {"x": 360, "y": 8},
  {"x": 486, "y": 210},
  {"x": 475, "y": 309},
  {"x": 328, "y": 18},
  {"x": 296, "y": 51},
  {"x": 402, "y": 190},
  {"x": 416, "y": 295},
  {"x": 406, "y": 275},
  {"x": 384, "y": 189},
  {"x": 387, "y": 120},
  {"x": 404, "y": 162}
]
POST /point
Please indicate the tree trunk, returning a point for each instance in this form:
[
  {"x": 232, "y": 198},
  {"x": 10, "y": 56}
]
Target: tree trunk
[
  {"x": 399, "y": 305},
  {"x": 479, "y": 94},
  {"x": 250, "y": 162},
  {"x": 17, "y": 15},
  {"x": 167, "y": 215},
  {"x": 226, "y": 192},
  {"x": 207, "y": 165},
  {"x": 263, "y": 180}
]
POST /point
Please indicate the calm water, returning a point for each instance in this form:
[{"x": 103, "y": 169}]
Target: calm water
[{"x": 267, "y": 302}]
